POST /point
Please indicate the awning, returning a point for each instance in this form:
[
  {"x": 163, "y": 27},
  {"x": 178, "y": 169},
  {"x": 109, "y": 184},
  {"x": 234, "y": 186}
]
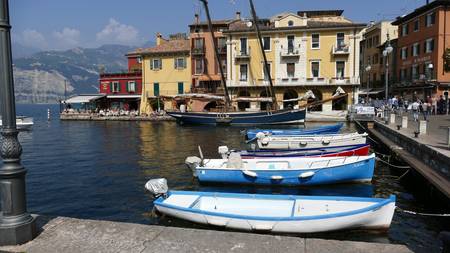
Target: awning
[
  {"x": 370, "y": 92},
  {"x": 124, "y": 96},
  {"x": 82, "y": 99}
]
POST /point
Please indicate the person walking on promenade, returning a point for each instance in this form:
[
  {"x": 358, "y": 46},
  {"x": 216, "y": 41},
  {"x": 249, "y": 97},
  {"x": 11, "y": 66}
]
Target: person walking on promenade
[
  {"x": 424, "y": 107},
  {"x": 415, "y": 109},
  {"x": 434, "y": 104}
]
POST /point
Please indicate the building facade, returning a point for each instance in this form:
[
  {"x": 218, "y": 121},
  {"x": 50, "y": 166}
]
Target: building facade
[
  {"x": 373, "y": 62},
  {"x": 314, "y": 51},
  {"x": 424, "y": 37},
  {"x": 166, "y": 72}
]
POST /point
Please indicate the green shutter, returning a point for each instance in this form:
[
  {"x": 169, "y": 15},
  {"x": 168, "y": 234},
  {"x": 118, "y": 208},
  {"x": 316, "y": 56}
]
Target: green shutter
[
  {"x": 180, "y": 88},
  {"x": 118, "y": 87},
  {"x": 127, "y": 84},
  {"x": 110, "y": 87},
  {"x": 156, "y": 89}
]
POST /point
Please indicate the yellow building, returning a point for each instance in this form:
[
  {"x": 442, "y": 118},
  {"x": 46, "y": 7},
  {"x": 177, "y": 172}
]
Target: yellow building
[
  {"x": 166, "y": 72},
  {"x": 314, "y": 51}
]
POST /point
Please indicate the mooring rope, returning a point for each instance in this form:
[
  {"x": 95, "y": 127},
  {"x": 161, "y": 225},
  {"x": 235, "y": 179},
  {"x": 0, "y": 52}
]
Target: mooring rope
[
  {"x": 393, "y": 165},
  {"x": 423, "y": 214}
]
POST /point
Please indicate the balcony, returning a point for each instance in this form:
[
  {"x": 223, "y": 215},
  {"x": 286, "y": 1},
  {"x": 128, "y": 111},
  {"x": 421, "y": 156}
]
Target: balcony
[
  {"x": 290, "y": 52},
  {"x": 341, "y": 49},
  {"x": 242, "y": 55},
  {"x": 198, "y": 51},
  {"x": 316, "y": 81},
  {"x": 340, "y": 80}
]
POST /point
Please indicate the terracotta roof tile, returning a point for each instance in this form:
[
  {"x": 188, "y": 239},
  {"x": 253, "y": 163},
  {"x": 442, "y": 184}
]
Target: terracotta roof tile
[{"x": 170, "y": 46}]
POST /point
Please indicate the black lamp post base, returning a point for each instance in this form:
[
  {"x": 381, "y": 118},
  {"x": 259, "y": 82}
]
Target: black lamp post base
[{"x": 20, "y": 234}]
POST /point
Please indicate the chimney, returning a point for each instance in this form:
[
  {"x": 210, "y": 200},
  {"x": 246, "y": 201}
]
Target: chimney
[
  {"x": 159, "y": 39},
  {"x": 196, "y": 19},
  {"x": 238, "y": 15}
]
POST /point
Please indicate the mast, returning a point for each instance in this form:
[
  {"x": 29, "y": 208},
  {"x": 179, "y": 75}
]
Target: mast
[
  {"x": 266, "y": 66},
  {"x": 216, "y": 53}
]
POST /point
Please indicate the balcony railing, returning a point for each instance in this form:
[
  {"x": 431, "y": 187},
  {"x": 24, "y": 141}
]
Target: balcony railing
[
  {"x": 340, "y": 80},
  {"x": 290, "y": 52},
  {"x": 198, "y": 51},
  {"x": 316, "y": 80},
  {"x": 243, "y": 54},
  {"x": 341, "y": 49}
]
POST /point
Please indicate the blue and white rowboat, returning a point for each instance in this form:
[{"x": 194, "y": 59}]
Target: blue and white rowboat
[
  {"x": 285, "y": 171},
  {"x": 331, "y": 129},
  {"x": 277, "y": 213}
]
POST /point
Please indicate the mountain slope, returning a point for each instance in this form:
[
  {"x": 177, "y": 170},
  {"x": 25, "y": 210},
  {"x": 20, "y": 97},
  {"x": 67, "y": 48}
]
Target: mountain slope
[{"x": 40, "y": 78}]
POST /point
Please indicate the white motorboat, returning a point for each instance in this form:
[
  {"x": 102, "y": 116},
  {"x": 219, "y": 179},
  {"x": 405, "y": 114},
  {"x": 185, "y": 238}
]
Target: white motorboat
[
  {"x": 273, "y": 213},
  {"x": 22, "y": 123},
  {"x": 273, "y": 142}
]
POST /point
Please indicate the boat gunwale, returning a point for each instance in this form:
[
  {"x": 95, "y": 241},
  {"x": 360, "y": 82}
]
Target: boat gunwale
[
  {"x": 256, "y": 114},
  {"x": 346, "y": 148},
  {"x": 321, "y": 128},
  {"x": 378, "y": 203}
]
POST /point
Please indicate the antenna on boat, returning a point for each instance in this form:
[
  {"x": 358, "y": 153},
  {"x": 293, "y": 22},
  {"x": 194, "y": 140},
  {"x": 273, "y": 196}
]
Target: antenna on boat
[
  {"x": 266, "y": 66},
  {"x": 216, "y": 53}
]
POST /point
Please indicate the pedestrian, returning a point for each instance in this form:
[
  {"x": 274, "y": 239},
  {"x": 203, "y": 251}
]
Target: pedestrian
[
  {"x": 434, "y": 105},
  {"x": 440, "y": 105},
  {"x": 425, "y": 110},
  {"x": 415, "y": 110}
]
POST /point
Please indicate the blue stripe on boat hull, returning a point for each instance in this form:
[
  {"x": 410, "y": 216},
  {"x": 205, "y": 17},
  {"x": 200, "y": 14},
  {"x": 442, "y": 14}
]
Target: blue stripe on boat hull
[
  {"x": 359, "y": 171},
  {"x": 332, "y": 129},
  {"x": 279, "y": 117}
]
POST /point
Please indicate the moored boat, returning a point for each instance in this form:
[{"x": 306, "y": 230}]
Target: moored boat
[
  {"x": 283, "y": 171},
  {"x": 330, "y": 129},
  {"x": 274, "y": 213},
  {"x": 22, "y": 123},
  {"x": 265, "y": 141}
]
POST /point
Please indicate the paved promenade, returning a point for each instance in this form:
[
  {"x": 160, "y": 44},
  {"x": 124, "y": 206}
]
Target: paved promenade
[{"x": 74, "y": 235}]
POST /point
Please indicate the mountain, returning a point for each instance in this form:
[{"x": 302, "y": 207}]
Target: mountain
[
  {"x": 40, "y": 77},
  {"x": 21, "y": 51}
]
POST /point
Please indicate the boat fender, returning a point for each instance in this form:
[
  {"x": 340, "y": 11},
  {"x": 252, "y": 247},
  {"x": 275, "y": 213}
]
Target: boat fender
[
  {"x": 276, "y": 177},
  {"x": 307, "y": 174},
  {"x": 303, "y": 143},
  {"x": 326, "y": 142},
  {"x": 216, "y": 222},
  {"x": 250, "y": 173},
  {"x": 262, "y": 227}
]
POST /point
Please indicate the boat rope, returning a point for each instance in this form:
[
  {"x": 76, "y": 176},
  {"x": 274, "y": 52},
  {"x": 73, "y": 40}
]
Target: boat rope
[
  {"x": 381, "y": 154},
  {"x": 393, "y": 165},
  {"x": 423, "y": 214}
]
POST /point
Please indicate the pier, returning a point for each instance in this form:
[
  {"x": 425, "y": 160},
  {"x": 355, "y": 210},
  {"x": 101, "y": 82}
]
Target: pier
[
  {"x": 428, "y": 153},
  {"x": 61, "y": 234}
]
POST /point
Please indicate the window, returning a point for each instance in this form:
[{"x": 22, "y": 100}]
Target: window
[
  {"x": 290, "y": 23},
  {"x": 156, "y": 89},
  {"x": 198, "y": 44},
  {"x": 416, "y": 49},
  {"x": 377, "y": 40},
  {"x": 430, "y": 19},
  {"x": 131, "y": 86},
  {"x": 404, "y": 53},
  {"x": 340, "y": 69},
  {"x": 180, "y": 88},
  {"x": 290, "y": 40},
  {"x": 315, "y": 43},
  {"x": 266, "y": 43},
  {"x": 222, "y": 44},
  {"x": 375, "y": 59},
  {"x": 243, "y": 72},
  {"x": 156, "y": 64},
  {"x": 290, "y": 67},
  {"x": 340, "y": 40},
  {"x": 115, "y": 86},
  {"x": 415, "y": 72},
  {"x": 266, "y": 76},
  {"x": 429, "y": 45},
  {"x": 405, "y": 29},
  {"x": 403, "y": 74},
  {"x": 199, "y": 66},
  {"x": 416, "y": 25},
  {"x": 315, "y": 68},
  {"x": 139, "y": 60},
  {"x": 243, "y": 46},
  {"x": 180, "y": 63}
]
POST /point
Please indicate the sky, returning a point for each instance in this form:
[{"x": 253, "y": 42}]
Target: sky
[{"x": 64, "y": 24}]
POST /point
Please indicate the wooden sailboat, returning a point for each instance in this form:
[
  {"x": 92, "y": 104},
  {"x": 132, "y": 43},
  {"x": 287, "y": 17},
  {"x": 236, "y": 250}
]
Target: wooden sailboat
[{"x": 227, "y": 116}]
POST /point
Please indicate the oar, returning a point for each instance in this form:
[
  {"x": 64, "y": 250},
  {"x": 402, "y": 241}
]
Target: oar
[
  {"x": 247, "y": 142},
  {"x": 201, "y": 155}
]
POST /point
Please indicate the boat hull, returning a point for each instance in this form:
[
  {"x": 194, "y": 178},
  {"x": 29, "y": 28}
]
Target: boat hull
[
  {"x": 375, "y": 216},
  {"x": 359, "y": 171},
  {"x": 356, "y": 150},
  {"x": 332, "y": 129},
  {"x": 240, "y": 118}
]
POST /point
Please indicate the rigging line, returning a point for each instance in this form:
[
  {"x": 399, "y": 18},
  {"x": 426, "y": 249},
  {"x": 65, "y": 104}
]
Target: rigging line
[
  {"x": 423, "y": 214},
  {"x": 393, "y": 165}
]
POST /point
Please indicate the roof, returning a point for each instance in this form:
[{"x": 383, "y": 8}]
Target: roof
[
  {"x": 170, "y": 46},
  {"x": 320, "y": 13},
  {"x": 420, "y": 11},
  {"x": 223, "y": 22},
  {"x": 312, "y": 24}
]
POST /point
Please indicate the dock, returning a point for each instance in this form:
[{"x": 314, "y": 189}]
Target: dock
[
  {"x": 428, "y": 153},
  {"x": 61, "y": 234},
  {"x": 96, "y": 117}
]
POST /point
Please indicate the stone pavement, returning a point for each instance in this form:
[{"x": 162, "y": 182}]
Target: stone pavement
[{"x": 74, "y": 235}]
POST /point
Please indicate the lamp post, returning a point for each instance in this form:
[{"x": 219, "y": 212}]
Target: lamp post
[
  {"x": 16, "y": 225},
  {"x": 386, "y": 52},
  {"x": 368, "y": 69}
]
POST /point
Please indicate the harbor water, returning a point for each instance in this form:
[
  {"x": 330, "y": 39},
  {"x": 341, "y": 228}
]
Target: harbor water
[{"x": 97, "y": 170}]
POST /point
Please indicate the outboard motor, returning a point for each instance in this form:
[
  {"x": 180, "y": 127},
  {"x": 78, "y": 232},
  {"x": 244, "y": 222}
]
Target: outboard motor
[
  {"x": 158, "y": 187},
  {"x": 263, "y": 138},
  {"x": 223, "y": 151},
  {"x": 192, "y": 162}
]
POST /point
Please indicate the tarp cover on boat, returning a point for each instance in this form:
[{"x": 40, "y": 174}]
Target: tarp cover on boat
[{"x": 157, "y": 186}]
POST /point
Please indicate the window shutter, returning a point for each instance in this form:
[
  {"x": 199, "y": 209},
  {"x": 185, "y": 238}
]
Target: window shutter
[
  {"x": 151, "y": 64},
  {"x": 184, "y": 63},
  {"x": 111, "y": 87},
  {"x": 432, "y": 45},
  {"x": 128, "y": 86},
  {"x": 160, "y": 63},
  {"x": 118, "y": 86}
]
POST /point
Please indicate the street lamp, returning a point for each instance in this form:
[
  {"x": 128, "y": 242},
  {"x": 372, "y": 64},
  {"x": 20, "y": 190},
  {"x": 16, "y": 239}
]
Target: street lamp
[
  {"x": 368, "y": 69},
  {"x": 16, "y": 225},
  {"x": 386, "y": 52}
]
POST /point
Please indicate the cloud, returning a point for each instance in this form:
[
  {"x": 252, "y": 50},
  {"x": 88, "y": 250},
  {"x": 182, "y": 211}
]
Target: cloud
[
  {"x": 115, "y": 32},
  {"x": 32, "y": 38},
  {"x": 67, "y": 38}
]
